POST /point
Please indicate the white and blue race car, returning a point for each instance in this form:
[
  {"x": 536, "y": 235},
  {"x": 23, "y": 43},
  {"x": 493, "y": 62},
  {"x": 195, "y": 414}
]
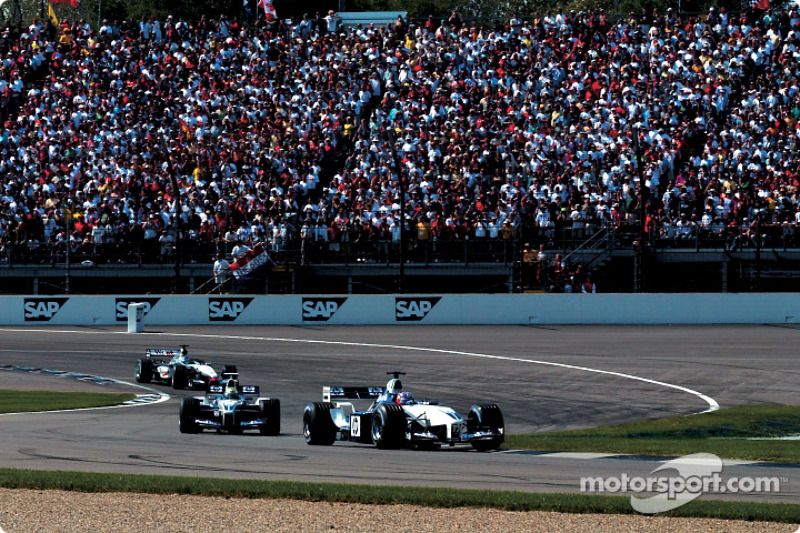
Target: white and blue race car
[
  {"x": 232, "y": 408},
  {"x": 176, "y": 368},
  {"x": 396, "y": 419}
]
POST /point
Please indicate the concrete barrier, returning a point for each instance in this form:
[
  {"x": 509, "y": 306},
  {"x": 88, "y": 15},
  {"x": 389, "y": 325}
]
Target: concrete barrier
[{"x": 466, "y": 309}]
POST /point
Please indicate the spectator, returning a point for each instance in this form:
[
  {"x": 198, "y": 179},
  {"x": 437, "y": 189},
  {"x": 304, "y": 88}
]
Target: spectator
[
  {"x": 167, "y": 242},
  {"x": 222, "y": 271},
  {"x": 400, "y": 28},
  {"x": 333, "y": 21},
  {"x": 239, "y": 250},
  {"x": 588, "y": 286}
]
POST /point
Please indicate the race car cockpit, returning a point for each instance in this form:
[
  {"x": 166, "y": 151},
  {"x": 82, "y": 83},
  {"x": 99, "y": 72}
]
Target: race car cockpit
[{"x": 394, "y": 387}]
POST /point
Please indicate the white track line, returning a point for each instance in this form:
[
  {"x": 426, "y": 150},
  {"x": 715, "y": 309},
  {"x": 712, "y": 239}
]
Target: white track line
[
  {"x": 162, "y": 397},
  {"x": 712, "y": 403}
]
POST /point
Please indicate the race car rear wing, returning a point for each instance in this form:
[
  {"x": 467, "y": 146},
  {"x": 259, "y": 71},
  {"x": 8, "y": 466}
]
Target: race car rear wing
[
  {"x": 161, "y": 354},
  {"x": 244, "y": 390},
  {"x": 330, "y": 394}
]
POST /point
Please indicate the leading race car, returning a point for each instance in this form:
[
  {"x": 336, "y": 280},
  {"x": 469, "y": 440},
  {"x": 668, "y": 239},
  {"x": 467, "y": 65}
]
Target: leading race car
[
  {"x": 232, "y": 408},
  {"x": 396, "y": 419},
  {"x": 176, "y": 368}
]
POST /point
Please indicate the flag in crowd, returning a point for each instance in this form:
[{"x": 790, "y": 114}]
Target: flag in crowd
[
  {"x": 255, "y": 258},
  {"x": 185, "y": 128},
  {"x": 269, "y": 9},
  {"x": 51, "y": 13},
  {"x": 73, "y": 3}
]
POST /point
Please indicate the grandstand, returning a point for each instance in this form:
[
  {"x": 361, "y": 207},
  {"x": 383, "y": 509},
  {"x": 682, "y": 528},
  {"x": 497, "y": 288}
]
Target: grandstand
[{"x": 657, "y": 152}]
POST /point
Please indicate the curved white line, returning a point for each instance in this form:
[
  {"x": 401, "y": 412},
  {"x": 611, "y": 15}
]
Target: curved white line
[
  {"x": 162, "y": 397},
  {"x": 712, "y": 403}
]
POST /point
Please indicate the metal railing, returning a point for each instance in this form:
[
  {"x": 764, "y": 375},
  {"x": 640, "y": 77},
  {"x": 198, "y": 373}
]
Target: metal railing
[
  {"x": 157, "y": 268},
  {"x": 597, "y": 246},
  {"x": 296, "y": 251}
]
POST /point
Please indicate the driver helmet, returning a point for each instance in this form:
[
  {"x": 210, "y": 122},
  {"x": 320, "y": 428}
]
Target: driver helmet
[
  {"x": 184, "y": 356},
  {"x": 231, "y": 388},
  {"x": 405, "y": 398}
]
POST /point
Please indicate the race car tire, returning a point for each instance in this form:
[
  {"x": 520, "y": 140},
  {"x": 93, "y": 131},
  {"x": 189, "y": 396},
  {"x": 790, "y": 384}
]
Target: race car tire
[
  {"x": 486, "y": 417},
  {"x": 144, "y": 371},
  {"x": 179, "y": 379},
  {"x": 318, "y": 426},
  {"x": 388, "y": 426},
  {"x": 189, "y": 407},
  {"x": 271, "y": 410}
]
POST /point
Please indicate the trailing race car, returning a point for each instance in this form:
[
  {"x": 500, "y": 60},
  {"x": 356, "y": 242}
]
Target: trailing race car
[
  {"x": 176, "y": 368},
  {"x": 395, "y": 419},
  {"x": 230, "y": 408}
]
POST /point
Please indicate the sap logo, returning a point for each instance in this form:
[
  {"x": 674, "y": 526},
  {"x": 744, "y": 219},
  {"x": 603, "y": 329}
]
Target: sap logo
[
  {"x": 42, "y": 309},
  {"x": 321, "y": 309},
  {"x": 226, "y": 309},
  {"x": 121, "y": 306},
  {"x": 413, "y": 309}
]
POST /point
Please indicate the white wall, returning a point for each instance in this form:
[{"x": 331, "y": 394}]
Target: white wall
[{"x": 782, "y": 308}]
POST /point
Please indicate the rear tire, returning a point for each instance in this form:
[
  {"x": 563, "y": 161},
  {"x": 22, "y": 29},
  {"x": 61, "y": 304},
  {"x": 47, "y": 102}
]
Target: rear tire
[
  {"x": 186, "y": 423},
  {"x": 486, "y": 417},
  {"x": 271, "y": 410},
  {"x": 388, "y": 426},
  {"x": 144, "y": 371},
  {"x": 318, "y": 426}
]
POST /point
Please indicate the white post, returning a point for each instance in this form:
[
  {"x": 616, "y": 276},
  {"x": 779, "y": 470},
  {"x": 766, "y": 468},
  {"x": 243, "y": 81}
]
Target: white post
[{"x": 136, "y": 317}]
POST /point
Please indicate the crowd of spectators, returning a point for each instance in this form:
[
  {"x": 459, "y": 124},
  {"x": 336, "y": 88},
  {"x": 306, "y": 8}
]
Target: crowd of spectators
[{"x": 286, "y": 133}]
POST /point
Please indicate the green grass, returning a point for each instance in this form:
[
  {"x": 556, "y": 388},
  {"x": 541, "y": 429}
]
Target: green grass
[
  {"x": 21, "y": 401},
  {"x": 380, "y": 495},
  {"x": 728, "y": 433}
]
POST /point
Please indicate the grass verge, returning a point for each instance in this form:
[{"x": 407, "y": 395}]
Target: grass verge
[
  {"x": 380, "y": 495},
  {"x": 17, "y": 401},
  {"x": 728, "y": 433}
]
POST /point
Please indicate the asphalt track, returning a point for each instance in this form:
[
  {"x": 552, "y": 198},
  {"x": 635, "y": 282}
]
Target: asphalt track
[{"x": 667, "y": 370}]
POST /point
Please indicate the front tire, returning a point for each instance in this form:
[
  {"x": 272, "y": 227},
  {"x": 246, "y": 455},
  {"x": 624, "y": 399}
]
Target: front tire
[
  {"x": 318, "y": 426},
  {"x": 178, "y": 378},
  {"x": 388, "y": 426},
  {"x": 271, "y": 410},
  {"x": 144, "y": 371},
  {"x": 186, "y": 423},
  {"x": 486, "y": 417}
]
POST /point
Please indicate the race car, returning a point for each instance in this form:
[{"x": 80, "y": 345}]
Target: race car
[
  {"x": 232, "y": 408},
  {"x": 176, "y": 368},
  {"x": 396, "y": 419}
]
